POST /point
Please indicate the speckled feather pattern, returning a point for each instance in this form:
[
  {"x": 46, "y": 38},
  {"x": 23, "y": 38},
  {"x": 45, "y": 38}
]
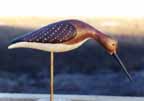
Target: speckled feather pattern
[{"x": 54, "y": 33}]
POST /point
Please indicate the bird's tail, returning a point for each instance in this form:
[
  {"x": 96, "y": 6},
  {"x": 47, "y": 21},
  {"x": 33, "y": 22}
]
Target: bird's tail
[{"x": 15, "y": 45}]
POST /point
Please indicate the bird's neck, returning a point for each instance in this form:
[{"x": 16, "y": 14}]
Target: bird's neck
[{"x": 98, "y": 35}]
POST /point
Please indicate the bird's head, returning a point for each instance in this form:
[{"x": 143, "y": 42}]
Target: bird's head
[
  {"x": 111, "y": 46},
  {"x": 109, "y": 43}
]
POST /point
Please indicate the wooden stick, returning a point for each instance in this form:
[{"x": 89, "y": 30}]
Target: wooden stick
[{"x": 52, "y": 76}]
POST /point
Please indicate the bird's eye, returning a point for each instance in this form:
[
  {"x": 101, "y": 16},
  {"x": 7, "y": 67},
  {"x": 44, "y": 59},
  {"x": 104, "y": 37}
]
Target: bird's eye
[{"x": 113, "y": 44}]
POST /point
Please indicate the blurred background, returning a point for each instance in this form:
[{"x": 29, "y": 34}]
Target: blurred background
[{"x": 87, "y": 70}]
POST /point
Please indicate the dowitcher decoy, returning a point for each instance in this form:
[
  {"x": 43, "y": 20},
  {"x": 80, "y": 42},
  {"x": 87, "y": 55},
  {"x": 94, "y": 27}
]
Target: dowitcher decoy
[{"x": 64, "y": 36}]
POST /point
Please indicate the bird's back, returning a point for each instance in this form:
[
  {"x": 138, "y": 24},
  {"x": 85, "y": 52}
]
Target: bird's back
[{"x": 53, "y": 33}]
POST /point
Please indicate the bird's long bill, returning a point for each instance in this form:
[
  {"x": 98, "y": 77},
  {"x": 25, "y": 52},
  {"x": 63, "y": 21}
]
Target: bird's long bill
[{"x": 122, "y": 65}]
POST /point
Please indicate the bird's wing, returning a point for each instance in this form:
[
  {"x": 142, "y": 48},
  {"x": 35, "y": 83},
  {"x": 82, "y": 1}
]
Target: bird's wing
[{"x": 54, "y": 33}]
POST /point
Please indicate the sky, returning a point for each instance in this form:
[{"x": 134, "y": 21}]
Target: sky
[{"x": 132, "y": 8}]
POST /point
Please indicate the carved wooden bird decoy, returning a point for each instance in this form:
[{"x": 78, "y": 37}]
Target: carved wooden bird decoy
[{"x": 64, "y": 36}]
